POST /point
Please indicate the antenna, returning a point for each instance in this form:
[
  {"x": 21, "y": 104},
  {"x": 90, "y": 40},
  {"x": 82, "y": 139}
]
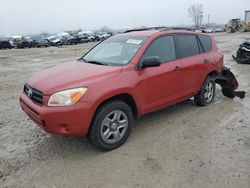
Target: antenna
[{"x": 75, "y": 53}]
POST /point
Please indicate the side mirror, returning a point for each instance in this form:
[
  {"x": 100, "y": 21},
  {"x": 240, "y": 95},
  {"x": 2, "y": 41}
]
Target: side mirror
[{"x": 152, "y": 61}]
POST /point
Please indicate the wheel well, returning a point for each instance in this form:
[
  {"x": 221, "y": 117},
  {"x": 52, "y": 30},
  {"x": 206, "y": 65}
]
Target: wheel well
[
  {"x": 125, "y": 97},
  {"x": 213, "y": 74}
]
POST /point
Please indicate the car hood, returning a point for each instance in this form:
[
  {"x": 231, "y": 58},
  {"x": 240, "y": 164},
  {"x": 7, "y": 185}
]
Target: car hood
[{"x": 71, "y": 75}]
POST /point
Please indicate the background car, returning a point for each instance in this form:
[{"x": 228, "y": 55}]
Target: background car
[
  {"x": 5, "y": 44},
  {"x": 68, "y": 40},
  {"x": 25, "y": 43},
  {"x": 54, "y": 41},
  {"x": 209, "y": 30},
  {"x": 32, "y": 42},
  {"x": 80, "y": 37},
  {"x": 219, "y": 29},
  {"x": 97, "y": 37},
  {"x": 42, "y": 43}
]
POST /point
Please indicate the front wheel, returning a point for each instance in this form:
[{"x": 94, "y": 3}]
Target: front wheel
[
  {"x": 111, "y": 126},
  {"x": 229, "y": 30},
  {"x": 207, "y": 93}
]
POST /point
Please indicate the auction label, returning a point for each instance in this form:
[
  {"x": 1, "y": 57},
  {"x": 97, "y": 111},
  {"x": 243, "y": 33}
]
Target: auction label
[{"x": 134, "y": 41}]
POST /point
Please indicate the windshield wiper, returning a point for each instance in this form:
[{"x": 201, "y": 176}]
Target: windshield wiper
[
  {"x": 82, "y": 59},
  {"x": 94, "y": 62},
  {"x": 97, "y": 62}
]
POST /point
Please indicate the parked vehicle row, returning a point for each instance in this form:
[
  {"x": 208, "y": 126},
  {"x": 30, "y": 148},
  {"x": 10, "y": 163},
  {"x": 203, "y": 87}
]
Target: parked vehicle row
[
  {"x": 213, "y": 30},
  {"x": 55, "y": 40}
]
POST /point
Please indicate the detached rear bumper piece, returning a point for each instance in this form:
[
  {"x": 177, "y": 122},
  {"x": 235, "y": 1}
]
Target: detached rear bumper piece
[
  {"x": 229, "y": 84},
  {"x": 245, "y": 60}
]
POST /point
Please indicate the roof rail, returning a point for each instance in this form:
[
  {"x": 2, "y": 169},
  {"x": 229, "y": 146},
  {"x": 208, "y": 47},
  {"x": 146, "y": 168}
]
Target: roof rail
[
  {"x": 161, "y": 28},
  {"x": 146, "y": 29},
  {"x": 179, "y": 28}
]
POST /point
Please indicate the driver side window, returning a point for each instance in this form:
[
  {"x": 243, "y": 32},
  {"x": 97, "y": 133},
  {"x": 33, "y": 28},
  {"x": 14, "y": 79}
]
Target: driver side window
[{"x": 163, "y": 47}]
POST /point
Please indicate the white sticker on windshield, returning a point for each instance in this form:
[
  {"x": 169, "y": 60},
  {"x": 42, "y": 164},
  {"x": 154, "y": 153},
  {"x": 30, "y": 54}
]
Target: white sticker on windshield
[{"x": 134, "y": 41}]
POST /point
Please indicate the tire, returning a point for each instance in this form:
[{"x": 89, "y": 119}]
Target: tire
[
  {"x": 109, "y": 117},
  {"x": 207, "y": 93},
  {"x": 229, "y": 30}
]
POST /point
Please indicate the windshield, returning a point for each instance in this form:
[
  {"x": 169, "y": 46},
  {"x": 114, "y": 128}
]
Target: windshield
[{"x": 116, "y": 50}]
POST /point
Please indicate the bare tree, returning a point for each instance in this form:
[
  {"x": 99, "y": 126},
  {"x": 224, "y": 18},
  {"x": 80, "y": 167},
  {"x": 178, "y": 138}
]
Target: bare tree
[
  {"x": 105, "y": 29},
  {"x": 196, "y": 13}
]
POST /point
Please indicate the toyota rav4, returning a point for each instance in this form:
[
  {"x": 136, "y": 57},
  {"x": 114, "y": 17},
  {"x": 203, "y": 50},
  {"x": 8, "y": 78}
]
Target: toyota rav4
[{"x": 125, "y": 77}]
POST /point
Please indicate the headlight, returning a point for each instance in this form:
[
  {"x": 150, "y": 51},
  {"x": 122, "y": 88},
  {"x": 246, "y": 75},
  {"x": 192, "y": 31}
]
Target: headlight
[{"x": 66, "y": 97}]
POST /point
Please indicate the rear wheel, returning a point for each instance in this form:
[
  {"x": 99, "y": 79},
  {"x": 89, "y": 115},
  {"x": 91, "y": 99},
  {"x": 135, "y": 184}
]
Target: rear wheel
[
  {"x": 207, "y": 93},
  {"x": 111, "y": 126}
]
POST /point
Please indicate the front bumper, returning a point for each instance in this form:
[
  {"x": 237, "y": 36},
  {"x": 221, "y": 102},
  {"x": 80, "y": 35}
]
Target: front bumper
[{"x": 69, "y": 120}]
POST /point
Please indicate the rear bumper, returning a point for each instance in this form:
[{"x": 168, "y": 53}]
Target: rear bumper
[
  {"x": 69, "y": 121},
  {"x": 229, "y": 84}
]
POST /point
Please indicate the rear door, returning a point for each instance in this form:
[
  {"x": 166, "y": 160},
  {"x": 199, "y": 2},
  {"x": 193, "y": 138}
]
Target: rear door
[{"x": 192, "y": 60}]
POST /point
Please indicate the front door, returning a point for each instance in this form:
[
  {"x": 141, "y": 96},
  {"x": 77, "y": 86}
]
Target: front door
[{"x": 161, "y": 85}]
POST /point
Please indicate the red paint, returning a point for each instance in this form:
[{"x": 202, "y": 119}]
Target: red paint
[{"x": 152, "y": 88}]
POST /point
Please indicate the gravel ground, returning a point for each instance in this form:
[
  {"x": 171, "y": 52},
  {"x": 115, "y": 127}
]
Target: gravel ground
[{"x": 180, "y": 146}]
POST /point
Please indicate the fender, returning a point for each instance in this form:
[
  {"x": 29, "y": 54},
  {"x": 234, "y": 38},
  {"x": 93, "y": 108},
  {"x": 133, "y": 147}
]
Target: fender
[{"x": 114, "y": 93}]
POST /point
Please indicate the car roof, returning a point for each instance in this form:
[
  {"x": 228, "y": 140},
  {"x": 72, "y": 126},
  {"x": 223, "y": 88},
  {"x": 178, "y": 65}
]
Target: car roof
[
  {"x": 158, "y": 32},
  {"x": 141, "y": 33}
]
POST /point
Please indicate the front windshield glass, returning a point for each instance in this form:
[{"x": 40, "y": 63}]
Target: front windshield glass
[{"x": 116, "y": 50}]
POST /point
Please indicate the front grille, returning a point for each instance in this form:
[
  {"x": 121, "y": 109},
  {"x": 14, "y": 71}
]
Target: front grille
[{"x": 33, "y": 94}]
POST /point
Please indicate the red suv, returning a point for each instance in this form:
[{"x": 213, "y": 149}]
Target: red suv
[{"x": 124, "y": 77}]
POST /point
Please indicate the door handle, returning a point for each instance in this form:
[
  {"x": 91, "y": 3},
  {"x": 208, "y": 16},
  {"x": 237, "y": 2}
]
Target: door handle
[
  {"x": 205, "y": 61},
  {"x": 177, "y": 68}
]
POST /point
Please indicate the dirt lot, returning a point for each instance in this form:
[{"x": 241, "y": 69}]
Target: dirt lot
[{"x": 181, "y": 146}]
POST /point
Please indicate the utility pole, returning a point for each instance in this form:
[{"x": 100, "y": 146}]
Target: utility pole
[
  {"x": 208, "y": 19},
  {"x": 200, "y": 19}
]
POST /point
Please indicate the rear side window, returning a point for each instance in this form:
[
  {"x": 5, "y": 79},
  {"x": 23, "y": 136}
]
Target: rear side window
[
  {"x": 187, "y": 45},
  {"x": 206, "y": 42},
  {"x": 163, "y": 47}
]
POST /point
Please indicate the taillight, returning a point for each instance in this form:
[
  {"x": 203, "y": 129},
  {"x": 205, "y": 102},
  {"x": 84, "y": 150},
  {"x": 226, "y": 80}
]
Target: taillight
[{"x": 221, "y": 60}]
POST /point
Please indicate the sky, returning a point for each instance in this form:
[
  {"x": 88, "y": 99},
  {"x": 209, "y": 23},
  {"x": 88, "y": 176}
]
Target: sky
[{"x": 35, "y": 16}]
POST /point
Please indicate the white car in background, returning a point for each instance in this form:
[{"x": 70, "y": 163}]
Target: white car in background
[{"x": 209, "y": 30}]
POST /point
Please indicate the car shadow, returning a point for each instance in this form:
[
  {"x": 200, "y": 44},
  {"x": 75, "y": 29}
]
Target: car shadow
[{"x": 54, "y": 145}]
